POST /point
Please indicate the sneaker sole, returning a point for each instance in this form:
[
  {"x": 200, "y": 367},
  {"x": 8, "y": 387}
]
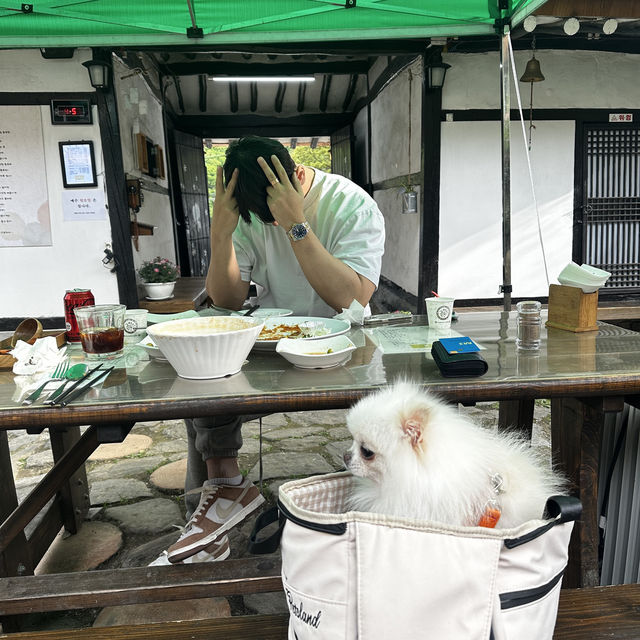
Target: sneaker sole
[{"x": 192, "y": 549}]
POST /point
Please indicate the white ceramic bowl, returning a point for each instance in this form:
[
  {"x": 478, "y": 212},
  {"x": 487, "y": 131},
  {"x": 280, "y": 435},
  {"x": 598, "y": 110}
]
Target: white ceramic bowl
[
  {"x": 316, "y": 354},
  {"x": 211, "y": 347}
]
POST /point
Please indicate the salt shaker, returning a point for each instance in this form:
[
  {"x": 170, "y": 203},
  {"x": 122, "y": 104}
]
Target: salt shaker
[{"x": 529, "y": 325}]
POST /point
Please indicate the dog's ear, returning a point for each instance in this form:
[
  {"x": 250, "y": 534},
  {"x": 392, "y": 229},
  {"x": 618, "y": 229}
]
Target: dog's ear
[{"x": 413, "y": 427}]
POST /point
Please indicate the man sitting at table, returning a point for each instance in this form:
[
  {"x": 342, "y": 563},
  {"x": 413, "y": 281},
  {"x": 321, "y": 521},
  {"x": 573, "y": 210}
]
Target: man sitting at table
[{"x": 312, "y": 242}]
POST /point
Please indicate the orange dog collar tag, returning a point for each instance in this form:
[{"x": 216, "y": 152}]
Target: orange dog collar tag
[{"x": 490, "y": 517}]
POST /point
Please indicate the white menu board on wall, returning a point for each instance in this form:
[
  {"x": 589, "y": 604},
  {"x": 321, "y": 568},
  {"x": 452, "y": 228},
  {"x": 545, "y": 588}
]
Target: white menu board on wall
[{"x": 24, "y": 200}]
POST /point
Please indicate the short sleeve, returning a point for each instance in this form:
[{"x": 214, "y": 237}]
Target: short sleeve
[
  {"x": 360, "y": 242},
  {"x": 244, "y": 252}
]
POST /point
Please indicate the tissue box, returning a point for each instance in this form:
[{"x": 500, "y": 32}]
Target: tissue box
[{"x": 571, "y": 309}]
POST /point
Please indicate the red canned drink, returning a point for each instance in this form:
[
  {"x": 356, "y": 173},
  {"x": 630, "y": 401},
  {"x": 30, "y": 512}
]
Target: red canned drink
[{"x": 72, "y": 299}]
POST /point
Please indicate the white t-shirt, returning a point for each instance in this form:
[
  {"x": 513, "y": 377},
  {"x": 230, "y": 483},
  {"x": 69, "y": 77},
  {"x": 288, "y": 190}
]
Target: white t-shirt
[{"x": 347, "y": 222}]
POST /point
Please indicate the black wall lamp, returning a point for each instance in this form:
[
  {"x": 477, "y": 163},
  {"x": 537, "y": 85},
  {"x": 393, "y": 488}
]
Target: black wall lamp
[
  {"x": 436, "y": 71},
  {"x": 98, "y": 73}
]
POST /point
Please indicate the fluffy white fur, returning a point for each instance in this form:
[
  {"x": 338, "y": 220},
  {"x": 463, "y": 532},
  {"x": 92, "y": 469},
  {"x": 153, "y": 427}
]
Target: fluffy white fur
[{"x": 431, "y": 463}]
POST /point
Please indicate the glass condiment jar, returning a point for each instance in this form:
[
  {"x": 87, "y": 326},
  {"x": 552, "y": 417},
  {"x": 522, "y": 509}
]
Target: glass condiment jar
[{"x": 529, "y": 325}]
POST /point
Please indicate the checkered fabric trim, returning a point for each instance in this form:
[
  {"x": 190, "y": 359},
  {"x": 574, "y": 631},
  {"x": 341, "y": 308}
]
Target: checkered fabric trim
[{"x": 324, "y": 496}]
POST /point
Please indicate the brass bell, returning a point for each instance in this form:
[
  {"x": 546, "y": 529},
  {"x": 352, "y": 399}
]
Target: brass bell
[{"x": 532, "y": 71}]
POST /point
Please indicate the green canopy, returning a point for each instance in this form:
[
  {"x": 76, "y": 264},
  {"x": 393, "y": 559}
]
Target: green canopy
[{"x": 73, "y": 23}]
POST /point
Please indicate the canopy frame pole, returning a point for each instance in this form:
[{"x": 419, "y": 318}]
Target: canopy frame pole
[{"x": 505, "y": 103}]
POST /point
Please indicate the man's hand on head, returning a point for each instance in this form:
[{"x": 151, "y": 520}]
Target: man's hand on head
[
  {"x": 225, "y": 208},
  {"x": 285, "y": 197}
]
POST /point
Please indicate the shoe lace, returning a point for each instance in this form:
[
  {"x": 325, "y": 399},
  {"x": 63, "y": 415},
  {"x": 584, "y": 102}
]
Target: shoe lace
[{"x": 206, "y": 492}]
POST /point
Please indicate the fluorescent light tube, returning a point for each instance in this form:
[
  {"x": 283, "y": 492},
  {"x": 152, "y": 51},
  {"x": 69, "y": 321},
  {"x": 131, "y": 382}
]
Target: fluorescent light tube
[{"x": 264, "y": 79}]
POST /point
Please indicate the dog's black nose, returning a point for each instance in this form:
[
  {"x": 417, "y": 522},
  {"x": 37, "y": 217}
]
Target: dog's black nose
[{"x": 347, "y": 457}]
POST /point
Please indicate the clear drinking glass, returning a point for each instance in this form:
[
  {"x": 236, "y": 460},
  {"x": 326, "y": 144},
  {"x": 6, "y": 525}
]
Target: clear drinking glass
[
  {"x": 101, "y": 330},
  {"x": 529, "y": 325}
]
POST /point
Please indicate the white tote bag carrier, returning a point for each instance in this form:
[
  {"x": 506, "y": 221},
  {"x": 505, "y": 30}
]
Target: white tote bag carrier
[{"x": 353, "y": 575}]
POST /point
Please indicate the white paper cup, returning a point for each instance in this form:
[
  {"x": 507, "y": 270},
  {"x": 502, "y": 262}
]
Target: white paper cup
[
  {"x": 439, "y": 311},
  {"x": 135, "y": 324}
]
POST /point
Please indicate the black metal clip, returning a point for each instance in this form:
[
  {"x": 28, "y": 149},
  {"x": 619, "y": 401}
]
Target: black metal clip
[
  {"x": 349, "y": 4},
  {"x": 26, "y": 8},
  {"x": 195, "y": 32}
]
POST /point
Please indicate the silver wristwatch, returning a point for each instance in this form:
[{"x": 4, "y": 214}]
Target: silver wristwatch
[{"x": 299, "y": 231}]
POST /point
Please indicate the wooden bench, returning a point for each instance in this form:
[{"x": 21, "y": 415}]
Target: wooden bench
[{"x": 583, "y": 614}]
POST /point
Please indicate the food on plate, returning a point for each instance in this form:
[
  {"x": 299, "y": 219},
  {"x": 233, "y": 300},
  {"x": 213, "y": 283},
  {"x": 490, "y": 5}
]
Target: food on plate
[
  {"x": 281, "y": 331},
  {"x": 302, "y": 330}
]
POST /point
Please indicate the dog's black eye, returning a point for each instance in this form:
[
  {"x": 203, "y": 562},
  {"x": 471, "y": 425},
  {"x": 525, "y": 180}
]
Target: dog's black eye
[{"x": 367, "y": 454}]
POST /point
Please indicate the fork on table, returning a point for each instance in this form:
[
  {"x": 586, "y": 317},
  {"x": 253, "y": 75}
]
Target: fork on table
[{"x": 58, "y": 374}]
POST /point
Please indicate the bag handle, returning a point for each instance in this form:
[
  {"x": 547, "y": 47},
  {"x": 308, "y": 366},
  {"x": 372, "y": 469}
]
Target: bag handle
[
  {"x": 271, "y": 542},
  {"x": 567, "y": 508}
]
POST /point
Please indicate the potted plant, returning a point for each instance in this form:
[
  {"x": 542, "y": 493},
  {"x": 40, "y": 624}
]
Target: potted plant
[{"x": 159, "y": 278}]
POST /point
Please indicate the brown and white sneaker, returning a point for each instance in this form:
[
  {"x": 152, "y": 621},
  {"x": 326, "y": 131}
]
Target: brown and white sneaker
[
  {"x": 221, "y": 507},
  {"x": 215, "y": 552}
]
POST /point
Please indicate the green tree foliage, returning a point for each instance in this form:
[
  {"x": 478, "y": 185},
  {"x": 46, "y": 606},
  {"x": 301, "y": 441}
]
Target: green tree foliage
[{"x": 320, "y": 158}]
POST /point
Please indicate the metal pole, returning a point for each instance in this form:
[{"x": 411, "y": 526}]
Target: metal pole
[{"x": 505, "y": 101}]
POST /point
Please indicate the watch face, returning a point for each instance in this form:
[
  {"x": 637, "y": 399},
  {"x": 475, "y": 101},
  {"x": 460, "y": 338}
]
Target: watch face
[{"x": 298, "y": 231}]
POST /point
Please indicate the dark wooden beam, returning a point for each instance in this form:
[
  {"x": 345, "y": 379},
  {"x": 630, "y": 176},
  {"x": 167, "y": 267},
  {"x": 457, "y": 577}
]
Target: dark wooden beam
[
  {"x": 351, "y": 89},
  {"x": 282, "y": 89},
  {"x": 324, "y": 92},
  {"x": 302, "y": 91},
  {"x": 213, "y": 126},
  {"x": 430, "y": 215},
  {"x": 268, "y": 69},
  {"x": 202, "y": 92},
  {"x": 233, "y": 97},
  {"x": 176, "y": 84},
  {"x": 365, "y": 48},
  {"x": 253, "y": 91},
  {"x": 114, "y": 178}
]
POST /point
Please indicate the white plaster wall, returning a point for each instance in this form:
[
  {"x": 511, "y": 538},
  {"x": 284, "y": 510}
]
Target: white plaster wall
[
  {"x": 33, "y": 280},
  {"x": 402, "y": 240},
  {"x": 471, "y": 208},
  {"x": 396, "y": 150},
  {"x": 140, "y": 111},
  {"x": 390, "y": 127},
  {"x": 573, "y": 80}
]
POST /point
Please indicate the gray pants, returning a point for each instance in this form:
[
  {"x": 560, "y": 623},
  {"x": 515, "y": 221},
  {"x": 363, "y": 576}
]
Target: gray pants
[{"x": 211, "y": 437}]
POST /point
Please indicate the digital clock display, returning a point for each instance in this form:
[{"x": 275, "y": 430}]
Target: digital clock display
[{"x": 70, "y": 112}]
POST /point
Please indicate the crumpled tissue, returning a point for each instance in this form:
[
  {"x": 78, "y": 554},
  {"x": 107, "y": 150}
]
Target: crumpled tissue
[
  {"x": 354, "y": 314},
  {"x": 34, "y": 363},
  {"x": 43, "y": 355}
]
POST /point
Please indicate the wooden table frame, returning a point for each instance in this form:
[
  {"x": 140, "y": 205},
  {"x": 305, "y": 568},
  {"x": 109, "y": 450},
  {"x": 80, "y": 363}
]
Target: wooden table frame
[{"x": 578, "y": 406}]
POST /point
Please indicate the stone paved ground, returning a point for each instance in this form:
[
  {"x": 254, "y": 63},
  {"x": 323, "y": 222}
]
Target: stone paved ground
[{"x": 136, "y": 500}]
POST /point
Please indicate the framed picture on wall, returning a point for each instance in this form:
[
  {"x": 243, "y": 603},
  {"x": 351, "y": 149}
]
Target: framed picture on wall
[{"x": 78, "y": 164}]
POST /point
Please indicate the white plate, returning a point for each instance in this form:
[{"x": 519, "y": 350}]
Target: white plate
[
  {"x": 335, "y": 328},
  {"x": 154, "y": 318},
  {"x": 321, "y": 353},
  {"x": 265, "y": 313},
  {"x": 150, "y": 347},
  {"x": 163, "y": 298}
]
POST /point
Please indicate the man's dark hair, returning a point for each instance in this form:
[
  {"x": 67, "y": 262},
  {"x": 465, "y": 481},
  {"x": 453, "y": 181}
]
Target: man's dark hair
[{"x": 250, "y": 192}]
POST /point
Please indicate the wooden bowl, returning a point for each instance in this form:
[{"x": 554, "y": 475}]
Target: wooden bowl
[{"x": 28, "y": 330}]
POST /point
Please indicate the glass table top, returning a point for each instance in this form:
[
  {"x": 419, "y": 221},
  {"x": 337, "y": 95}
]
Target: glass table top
[{"x": 600, "y": 362}]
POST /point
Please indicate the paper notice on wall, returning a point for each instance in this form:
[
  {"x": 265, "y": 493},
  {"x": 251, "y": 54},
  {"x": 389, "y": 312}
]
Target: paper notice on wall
[
  {"x": 83, "y": 204},
  {"x": 24, "y": 204}
]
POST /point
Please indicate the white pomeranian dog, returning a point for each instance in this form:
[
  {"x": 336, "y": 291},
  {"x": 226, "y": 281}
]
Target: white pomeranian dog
[{"x": 414, "y": 456}]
